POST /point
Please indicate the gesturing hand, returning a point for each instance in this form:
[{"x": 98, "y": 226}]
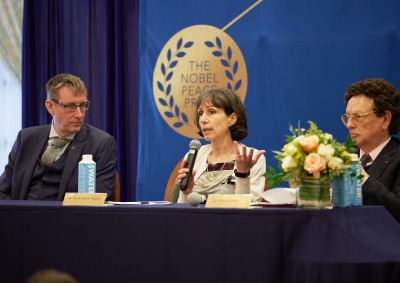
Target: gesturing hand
[{"x": 245, "y": 157}]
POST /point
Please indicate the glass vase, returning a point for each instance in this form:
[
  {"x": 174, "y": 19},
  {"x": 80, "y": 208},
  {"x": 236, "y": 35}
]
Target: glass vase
[{"x": 314, "y": 193}]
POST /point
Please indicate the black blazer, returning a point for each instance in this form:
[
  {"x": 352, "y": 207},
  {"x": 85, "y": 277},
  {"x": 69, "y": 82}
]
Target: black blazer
[
  {"x": 30, "y": 142},
  {"x": 383, "y": 184}
]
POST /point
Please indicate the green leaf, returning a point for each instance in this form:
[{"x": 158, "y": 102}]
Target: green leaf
[{"x": 273, "y": 177}]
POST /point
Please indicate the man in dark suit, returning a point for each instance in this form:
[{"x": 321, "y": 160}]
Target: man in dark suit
[
  {"x": 35, "y": 175},
  {"x": 372, "y": 118}
]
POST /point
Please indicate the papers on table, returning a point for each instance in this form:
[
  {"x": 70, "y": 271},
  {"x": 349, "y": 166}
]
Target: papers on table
[
  {"x": 278, "y": 197},
  {"x": 137, "y": 203}
]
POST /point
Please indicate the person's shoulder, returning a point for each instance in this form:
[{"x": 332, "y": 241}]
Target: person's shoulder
[
  {"x": 205, "y": 148},
  {"x": 395, "y": 140},
  {"x": 92, "y": 130},
  {"x": 393, "y": 145},
  {"x": 392, "y": 148},
  {"x": 35, "y": 129}
]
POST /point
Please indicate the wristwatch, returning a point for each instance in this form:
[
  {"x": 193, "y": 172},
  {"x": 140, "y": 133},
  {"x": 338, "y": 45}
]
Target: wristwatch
[{"x": 241, "y": 175}]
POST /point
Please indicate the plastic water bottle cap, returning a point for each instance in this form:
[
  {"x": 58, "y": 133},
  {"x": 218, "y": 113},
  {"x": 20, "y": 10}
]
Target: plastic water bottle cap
[{"x": 87, "y": 157}]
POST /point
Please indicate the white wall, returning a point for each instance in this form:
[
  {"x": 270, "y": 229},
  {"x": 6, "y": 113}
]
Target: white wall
[{"x": 11, "y": 113}]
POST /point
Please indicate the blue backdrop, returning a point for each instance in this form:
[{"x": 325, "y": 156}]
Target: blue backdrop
[
  {"x": 300, "y": 58},
  {"x": 297, "y": 59}
]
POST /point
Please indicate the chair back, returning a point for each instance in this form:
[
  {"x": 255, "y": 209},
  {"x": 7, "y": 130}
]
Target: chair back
[
  {"x": 172, "y": 190},
  {"x": 115, "y": 196}
]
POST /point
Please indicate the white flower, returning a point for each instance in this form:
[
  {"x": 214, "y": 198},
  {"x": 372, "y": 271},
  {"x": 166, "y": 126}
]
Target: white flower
[
  {"x": 335, "y": 163},
  {"x": 326, "y": 151},
  {"x": 290, "y": 149},
  {"x": 311, "y": 152},
  {"x": 288, "y": 163},
  {"x": 299, "y": 138}
]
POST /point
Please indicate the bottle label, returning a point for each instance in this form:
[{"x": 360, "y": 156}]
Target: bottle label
[
  {"x": 357, "y": 185},
  {"x": 342, "y": 190},
  {"x": 87, "y": 178}
]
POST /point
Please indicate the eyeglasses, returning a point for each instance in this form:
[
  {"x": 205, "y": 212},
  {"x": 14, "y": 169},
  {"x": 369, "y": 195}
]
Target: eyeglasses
[
  {"x": 357, "y": 117},
  {"x": 72, "y": 107}
]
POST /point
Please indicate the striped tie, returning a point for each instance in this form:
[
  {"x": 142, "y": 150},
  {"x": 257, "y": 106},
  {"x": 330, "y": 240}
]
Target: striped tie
[{"x": 365, "y": 159}]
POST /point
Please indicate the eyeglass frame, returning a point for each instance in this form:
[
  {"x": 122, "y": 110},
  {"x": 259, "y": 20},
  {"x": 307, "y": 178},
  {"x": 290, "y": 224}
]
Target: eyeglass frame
[
  {"x": 360, "y": 115},
  {"x": 87, "y": 104}
]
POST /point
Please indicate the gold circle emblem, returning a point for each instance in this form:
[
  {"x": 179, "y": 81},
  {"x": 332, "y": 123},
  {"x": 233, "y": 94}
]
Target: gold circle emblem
[{"x": 194, "y": 60}]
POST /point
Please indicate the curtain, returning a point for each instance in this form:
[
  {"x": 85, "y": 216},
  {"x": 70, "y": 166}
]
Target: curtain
[
  {"x": 10, "y": 74},
  {"x": 10, "y": 35},
  {"x": 97, "y": 41}
]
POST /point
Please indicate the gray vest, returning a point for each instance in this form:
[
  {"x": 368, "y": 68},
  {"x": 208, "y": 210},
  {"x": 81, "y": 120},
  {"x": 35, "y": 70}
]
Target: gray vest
[{"x": 46, "y": 180}]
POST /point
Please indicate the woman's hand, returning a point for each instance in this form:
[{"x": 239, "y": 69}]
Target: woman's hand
[
  {"x": 182, "y": 174},
  {"x": 245, "y": 157}
]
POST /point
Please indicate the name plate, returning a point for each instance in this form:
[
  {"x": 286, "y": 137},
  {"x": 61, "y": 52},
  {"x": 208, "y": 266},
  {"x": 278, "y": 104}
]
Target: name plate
[
  {"x": 90, "y": 199},
  {"x": 228, "y": 201}
]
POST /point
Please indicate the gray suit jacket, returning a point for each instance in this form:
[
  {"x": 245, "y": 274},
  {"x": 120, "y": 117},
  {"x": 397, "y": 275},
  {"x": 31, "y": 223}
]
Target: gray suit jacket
[
  {"x": 383, "y": 184},
  {"x": 30, "y": 142}
]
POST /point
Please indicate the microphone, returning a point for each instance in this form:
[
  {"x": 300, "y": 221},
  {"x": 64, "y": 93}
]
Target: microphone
[
  {"x": 194, "y": 146},
  {"x": 196, "y": 199}
]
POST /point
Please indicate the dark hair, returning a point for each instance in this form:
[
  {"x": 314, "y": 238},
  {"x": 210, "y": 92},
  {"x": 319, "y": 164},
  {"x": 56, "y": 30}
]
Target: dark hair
[
  {"x": 64, "y": 79},
  {"x": 384, "y": 95},
  {"x": 230, "y": 102}
]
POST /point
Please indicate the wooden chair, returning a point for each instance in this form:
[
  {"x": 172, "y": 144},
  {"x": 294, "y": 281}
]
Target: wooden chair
[
  {"x": 171, "y": 190},
  {"x": 117, "y": 190}
]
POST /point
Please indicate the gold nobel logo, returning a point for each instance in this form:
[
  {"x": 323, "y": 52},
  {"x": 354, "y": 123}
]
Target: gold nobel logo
[{"x": 194, "y": 60}]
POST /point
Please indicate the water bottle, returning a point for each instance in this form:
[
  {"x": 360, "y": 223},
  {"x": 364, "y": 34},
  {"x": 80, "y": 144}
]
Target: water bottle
[
  {"x": 356, "y": 183},
  {"x": 342, "y": 190},
  {"x": 87, "y": 175}
]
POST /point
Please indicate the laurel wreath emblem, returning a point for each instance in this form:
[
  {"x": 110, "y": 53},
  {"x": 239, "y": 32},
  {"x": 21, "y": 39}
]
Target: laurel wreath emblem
[
  {"x": 165, "y": 86},
  {"x": 226, "y": 60}
]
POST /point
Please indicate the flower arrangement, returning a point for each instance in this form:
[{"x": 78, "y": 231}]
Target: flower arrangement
[{"x": 310, "y": 153}]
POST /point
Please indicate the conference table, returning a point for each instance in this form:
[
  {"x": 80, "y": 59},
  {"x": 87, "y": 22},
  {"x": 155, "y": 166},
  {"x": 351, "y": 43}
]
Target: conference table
[{"x": 183, "y": 243}]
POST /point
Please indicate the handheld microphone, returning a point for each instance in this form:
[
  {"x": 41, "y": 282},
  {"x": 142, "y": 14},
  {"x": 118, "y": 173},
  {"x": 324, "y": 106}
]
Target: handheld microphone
[
  {"x": 196, "y": 199},
  {"x": 194, "y": 146}
]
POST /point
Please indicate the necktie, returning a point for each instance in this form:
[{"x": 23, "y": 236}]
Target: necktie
[
  {"x": 365, "y": 159},
  {"x": 51, "y": 151}
]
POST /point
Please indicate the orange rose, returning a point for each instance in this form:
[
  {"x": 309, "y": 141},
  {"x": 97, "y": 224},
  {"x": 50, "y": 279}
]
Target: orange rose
[
  {"x": 314, "y": 164},
  {"x": 310, "y": 143}
]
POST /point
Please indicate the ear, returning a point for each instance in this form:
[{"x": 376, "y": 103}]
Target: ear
[
  {"x": 232, "y": 119},
  {"x": 386, "y": 119},
  {"x": 50, "y": 107}
]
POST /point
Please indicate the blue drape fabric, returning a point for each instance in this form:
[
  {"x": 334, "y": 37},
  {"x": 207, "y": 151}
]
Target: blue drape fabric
[
  {"x": 97, "y": 41},
  {"x": 300, "y": 58}
]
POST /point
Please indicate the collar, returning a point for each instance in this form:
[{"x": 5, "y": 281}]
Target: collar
[
  {"x": 374, "y": 154},
  {"x": 53, "y": 133}
]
